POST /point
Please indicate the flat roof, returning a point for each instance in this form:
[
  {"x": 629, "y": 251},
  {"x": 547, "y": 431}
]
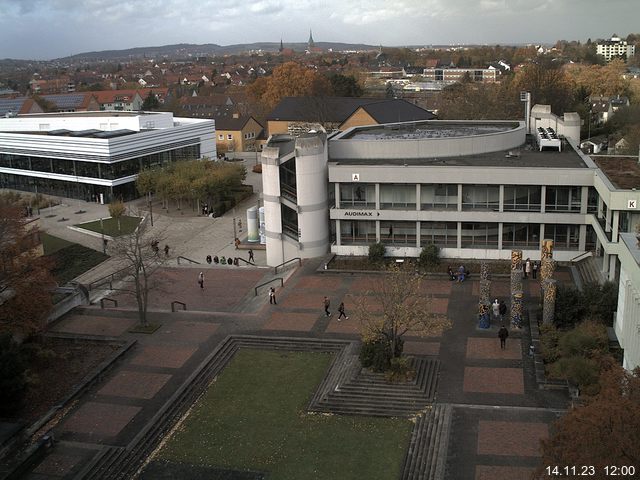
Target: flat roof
[
  {"x": 623, "y": 172},
  {"x": 428, "y": 129},
  {"x": 527, "y": 156}
]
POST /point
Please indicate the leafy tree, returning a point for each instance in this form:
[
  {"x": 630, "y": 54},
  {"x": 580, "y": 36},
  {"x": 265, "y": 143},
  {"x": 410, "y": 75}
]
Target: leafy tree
[
  {"x": 151, "y": 102},
  {"x": 601, "y": 301},
  {"x": 345, "y": 86},
  {"x": 288, "y": 80},
  {"x": 570, "y": 306},
  {"x": 13, "y": 375},
  {"x": 604, "y": 431},
  {"x": 25, "y": 277},
  {"x": 116, "y": 210},
  {"x": 548, "y": 84},
  {"x": 405, "y": 308}
]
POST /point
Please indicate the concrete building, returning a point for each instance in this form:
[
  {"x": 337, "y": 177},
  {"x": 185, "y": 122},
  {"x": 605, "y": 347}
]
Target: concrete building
[
  {"x": 95, "y": 155},
  {"x": 615, "y": 47},
  {"x": 627, "y": 320},
  {"x": 476, "y": 189}
]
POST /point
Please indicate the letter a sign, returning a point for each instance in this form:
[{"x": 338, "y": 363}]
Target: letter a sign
[{"x": 355, "y": 177}]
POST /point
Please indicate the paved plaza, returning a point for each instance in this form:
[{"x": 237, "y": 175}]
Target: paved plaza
[{"x": 499, "y": 412}]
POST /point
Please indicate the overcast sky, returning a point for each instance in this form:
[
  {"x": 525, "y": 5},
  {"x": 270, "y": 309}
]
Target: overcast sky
[{"x": 46, "y": 29}]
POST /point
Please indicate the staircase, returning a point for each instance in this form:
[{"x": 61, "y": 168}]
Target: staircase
[{"x": 427, "y": 451}]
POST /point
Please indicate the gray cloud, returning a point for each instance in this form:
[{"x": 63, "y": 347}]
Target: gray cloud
[{"x": 53, "y": 28}]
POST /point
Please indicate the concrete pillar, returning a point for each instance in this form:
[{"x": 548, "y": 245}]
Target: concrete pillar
[
  {"x": 337, "y": 194},
  {"x": 501, "y": 199},
  {"x": 377, "y": 196},
  {"x": 418, "y": 239},
  {"x": 584, "y": 200},
  {"x": 271, "y": 198},
  {"x": 607, "y": 223},
  {"x": 500, "y": 229},
  {"x": 377, "y": 228},
  {"x": 418, "y": 197},
  {"x": 543, "y": 200},
  {"x": 459, "y": 234},
  {"x": 516, "y": 271},
  {"x": 459, "y": 199},
  {"x": 600, "y": 204},
  {"x": 582, "y": 242},
  {"x": 338, "y": 233},
  {"x": 612, "y": 267},
  {"x": 615, "y": 222},
  {"x": 605, "y": 263}
]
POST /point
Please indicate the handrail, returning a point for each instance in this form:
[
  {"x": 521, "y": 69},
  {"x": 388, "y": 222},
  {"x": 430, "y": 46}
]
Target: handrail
[
  {"x": 173, "y": 305},
  {"x": 267, "y": 283},
  {"x": 583, "y": 254},
  {"x": 115, "y": 302},
  {"x": 275, "y": 270},
  {"x": 110, "y": 278},
  {"x": 185, "y": 258},
  {"x": 240, "y": 259}
]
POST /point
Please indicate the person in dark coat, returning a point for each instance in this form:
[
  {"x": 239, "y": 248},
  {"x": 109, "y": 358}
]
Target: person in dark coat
[
  {"x": 503, "y": 333},
  {"x": 251, "y": 256},
  {"x": 341, "y": 312},
  {"x": 326, "y": 303},
  {"x": 272, "y": 296}
]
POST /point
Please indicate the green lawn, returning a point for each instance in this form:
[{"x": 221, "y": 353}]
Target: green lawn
[
  {"x": 127, "y": 225},
  {"x": 70, "y": 259},
  {"x": 254, "y": 418}
]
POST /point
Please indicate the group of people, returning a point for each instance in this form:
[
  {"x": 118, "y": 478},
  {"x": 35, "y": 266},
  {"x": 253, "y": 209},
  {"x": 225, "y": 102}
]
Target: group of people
[
  {"x": 155, "y": 246},
  {"x": 327, "y": 303},
  {"x": 530, "y": 268},
  {"x": 460, "y": 275}
]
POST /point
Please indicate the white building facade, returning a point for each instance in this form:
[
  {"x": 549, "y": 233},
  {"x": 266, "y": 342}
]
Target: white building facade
[
  {"x": 615, "y": 47},
  {"x": 96, "y": 155}
]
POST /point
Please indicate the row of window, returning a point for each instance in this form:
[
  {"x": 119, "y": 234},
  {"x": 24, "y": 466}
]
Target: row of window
[
  {"x": 247, "y": 136},
  {"x": 107, "y": 171},
  {"x": 474, "y": 197},
  {"x": 473, "y": 235}
]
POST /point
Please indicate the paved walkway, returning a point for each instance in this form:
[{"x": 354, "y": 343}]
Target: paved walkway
[{"x": 499, "y": 413}]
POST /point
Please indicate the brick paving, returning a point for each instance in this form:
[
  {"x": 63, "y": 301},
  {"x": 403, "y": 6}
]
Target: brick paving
[
  {"x": 493, "y": 380},
  {"x": 160, "y": 356},
  {"x": 474, "y": 373},
  {"x": 100, "y": 420},
  {"x": 299, "y": 322},
  {"x": 94, "y": 325},
  {"x": 492, "y": 472},
  {"x": 489, "y": 348},
  {"x": 518, "y": 439},
  {"x": 135, "y": 384}
]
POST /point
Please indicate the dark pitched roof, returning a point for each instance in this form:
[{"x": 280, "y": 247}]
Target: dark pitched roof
[
  {"x": 397, "y": 110},
  {"x": 317, "y": 109},
  {"x": 228, "y": 122},
  {"x": 339, "y": 109}
]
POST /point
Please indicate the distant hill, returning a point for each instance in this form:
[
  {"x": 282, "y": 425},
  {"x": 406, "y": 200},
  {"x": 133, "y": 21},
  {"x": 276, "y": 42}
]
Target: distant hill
[{"x": 186, "y": 50}]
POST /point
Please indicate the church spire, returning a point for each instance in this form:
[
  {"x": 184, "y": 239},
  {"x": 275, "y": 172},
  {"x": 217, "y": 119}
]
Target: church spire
[
  {"x": 281, "y": 46},
  {"x": 310, "y": 43}
]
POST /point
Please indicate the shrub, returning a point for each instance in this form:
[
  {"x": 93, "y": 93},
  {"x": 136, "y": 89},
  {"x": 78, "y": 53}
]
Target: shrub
[
  {"x": 400, "y": 370},
  {"x": 601, "y": 301},
  {"x": 580, "y": 371},
  {"x": 376, "y": 252},
  {"x": 429, "y": 256},
  {"x": 588, "y": 339},
  {"x": 13, "y": 375},
  {"x": 376, "y": 354},
  {"x": 549, "y": 338},
  {"x": 570, "y": 307}
]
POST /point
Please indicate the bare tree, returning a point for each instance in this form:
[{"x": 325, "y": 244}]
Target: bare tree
[
  {"x": 140, "y": 254},
  {"x": 403, "y": 305}
]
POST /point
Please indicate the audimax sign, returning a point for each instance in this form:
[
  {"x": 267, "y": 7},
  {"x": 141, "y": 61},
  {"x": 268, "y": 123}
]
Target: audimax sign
[{"x": 361, "y": 213}]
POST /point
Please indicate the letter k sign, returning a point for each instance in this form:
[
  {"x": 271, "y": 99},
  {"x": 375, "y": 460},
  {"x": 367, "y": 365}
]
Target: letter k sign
[{"x": 632, "y": 204}]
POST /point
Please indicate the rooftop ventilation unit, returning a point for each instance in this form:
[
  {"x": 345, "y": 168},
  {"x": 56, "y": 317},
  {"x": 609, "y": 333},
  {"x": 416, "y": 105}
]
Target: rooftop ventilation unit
[{"x": 547, "y": 137}]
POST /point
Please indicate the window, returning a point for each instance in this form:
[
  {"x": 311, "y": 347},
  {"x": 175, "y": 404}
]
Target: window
[
  {"x": 357, "y": 232},
  {"x": 563, "y": 199},
  {"x": 479, "y": 235},
  {"x": 518, "y": 198},
  {"x": 439, "y": 197},
  {"x": 229, "y": 136},
  {"x": 480, "y": 197},
  {"x": 442, "y": 234},
  {"x": 520, "y": 235},
  {"x": 397, "y": 197},
  {"x": 398, "y": 233},
  {"x": 357, "y": 195},
  {"x": 221, "y": 137},
  {"x": 565, "y": 237}
]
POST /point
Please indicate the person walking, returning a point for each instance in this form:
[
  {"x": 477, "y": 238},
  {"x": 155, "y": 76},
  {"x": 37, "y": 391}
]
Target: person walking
[
  {"x": 503, "y": 310},
  {"x": 527, "y": 268},
  {"x": 341, "y": 312},
  {"x": 251, "y": 256},
  {"x": 327, "y": 304},
  {"x": 534, "y": 270},
  {"x": 503, "y": 333},
  {"x": 201, "y": 279},
  {"x": 272, "y": 296},
  {"x": 495, "y": 309},
  {"x": 166, "y": 250}
]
